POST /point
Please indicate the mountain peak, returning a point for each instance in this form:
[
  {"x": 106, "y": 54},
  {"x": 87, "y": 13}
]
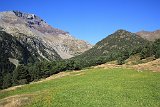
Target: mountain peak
[
  {"x": 122, "y": 34},
  {"x": 19, "y": 23},
  {"x": 122, "y": 31},
  {"x": 25, "y": 15}
]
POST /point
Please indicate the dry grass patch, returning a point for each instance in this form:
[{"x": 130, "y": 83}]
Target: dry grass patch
[
  {"x": 151, "y": 66},
  {"x": 16, "y": 101}
]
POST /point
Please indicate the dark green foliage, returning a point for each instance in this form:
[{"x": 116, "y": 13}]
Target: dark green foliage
[
  {"x": 21, "y": 75},
  {"x": 1, "y": 81},
  {"x": 136, "y": 50},
  {"x": 146, "y": 51},
  {"x": 7, "y": 80},
  {"x": 15, "y": 78},
  {"x": 120, "y": 61},
  {"x": 123, "y": 56},
  {"x": 10, "y": 47},
  {"x": 44, "y": 69},
  {"x": 72, "y": 65},
  {"x": 156, "y": 48}
]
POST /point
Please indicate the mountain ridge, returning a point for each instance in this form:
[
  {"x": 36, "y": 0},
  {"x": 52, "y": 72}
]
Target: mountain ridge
[
  {"x": 149, "y": 35},
  {"x": 16, "y": 22}
]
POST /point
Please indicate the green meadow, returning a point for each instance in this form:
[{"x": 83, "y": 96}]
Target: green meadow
[{"x": 96, "y": 87}]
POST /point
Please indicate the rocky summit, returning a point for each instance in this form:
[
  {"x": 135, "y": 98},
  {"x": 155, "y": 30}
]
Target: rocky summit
[{"x": 47, "y": 41}]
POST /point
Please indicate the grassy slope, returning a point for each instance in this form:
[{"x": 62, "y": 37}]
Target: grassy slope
[{"x": 95, "y": 88}]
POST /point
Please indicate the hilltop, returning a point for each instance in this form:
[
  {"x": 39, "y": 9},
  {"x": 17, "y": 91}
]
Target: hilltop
[{"x": 112, "y": 45}]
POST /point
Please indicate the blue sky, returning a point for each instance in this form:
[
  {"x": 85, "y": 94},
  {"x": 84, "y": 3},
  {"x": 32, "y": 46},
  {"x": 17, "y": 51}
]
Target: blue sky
[{"x": 92, "y": 20}]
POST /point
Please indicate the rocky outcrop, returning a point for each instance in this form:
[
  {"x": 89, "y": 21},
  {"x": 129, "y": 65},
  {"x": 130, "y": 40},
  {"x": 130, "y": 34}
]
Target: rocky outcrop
[{"x": 50, "y": 43}]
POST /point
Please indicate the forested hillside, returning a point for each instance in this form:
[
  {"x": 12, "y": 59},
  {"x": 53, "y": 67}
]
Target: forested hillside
[
  {"x": 114, "y": 44},
  {"x": 13, "y": 53},
  {"x": 118, "y": 46}
]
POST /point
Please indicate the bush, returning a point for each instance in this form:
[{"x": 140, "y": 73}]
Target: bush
[
  {"x": 20, "y": 75},
  {"x": 7, "y": 81},
  {"x": 120, "y": 61},
  {"x": 157, "y": 48}
]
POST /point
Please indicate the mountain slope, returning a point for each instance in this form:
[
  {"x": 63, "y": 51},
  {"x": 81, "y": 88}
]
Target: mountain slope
[
  {"x": 28, "y": 45},
  {"x": 14, "y": 52},
  {"x": 117, "y": 42},
  {"x": 54, "y": 40},
  {"x": 151, "y": 36}
]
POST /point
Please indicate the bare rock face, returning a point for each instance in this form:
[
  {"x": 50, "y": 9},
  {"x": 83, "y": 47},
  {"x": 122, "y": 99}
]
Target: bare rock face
[
  {"x": 151, "y": 36},
  {"x": 54, "y": 41}
]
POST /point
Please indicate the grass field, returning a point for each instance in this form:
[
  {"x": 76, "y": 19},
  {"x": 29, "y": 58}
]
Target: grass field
[{"x": 93, "y": 88}]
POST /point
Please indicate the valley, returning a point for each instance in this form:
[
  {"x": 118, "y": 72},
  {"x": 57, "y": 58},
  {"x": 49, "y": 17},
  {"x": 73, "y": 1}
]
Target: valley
[{"x": 44, "y": 66}]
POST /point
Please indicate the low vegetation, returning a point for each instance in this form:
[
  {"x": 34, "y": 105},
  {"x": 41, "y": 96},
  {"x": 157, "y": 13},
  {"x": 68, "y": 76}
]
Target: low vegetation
[{"x": 91, "y": 87}]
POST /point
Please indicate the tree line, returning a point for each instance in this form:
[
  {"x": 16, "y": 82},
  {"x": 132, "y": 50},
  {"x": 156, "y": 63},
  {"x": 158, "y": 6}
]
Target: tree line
[{"x": 25, "y": 74}]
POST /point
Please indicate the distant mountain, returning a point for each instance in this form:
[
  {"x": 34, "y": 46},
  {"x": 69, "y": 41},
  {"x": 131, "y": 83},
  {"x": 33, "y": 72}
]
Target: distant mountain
[
  {"x": 151, "y": 36},
  {"x": 33, "y": 32},
  {"x": 117, "y": 42}
]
